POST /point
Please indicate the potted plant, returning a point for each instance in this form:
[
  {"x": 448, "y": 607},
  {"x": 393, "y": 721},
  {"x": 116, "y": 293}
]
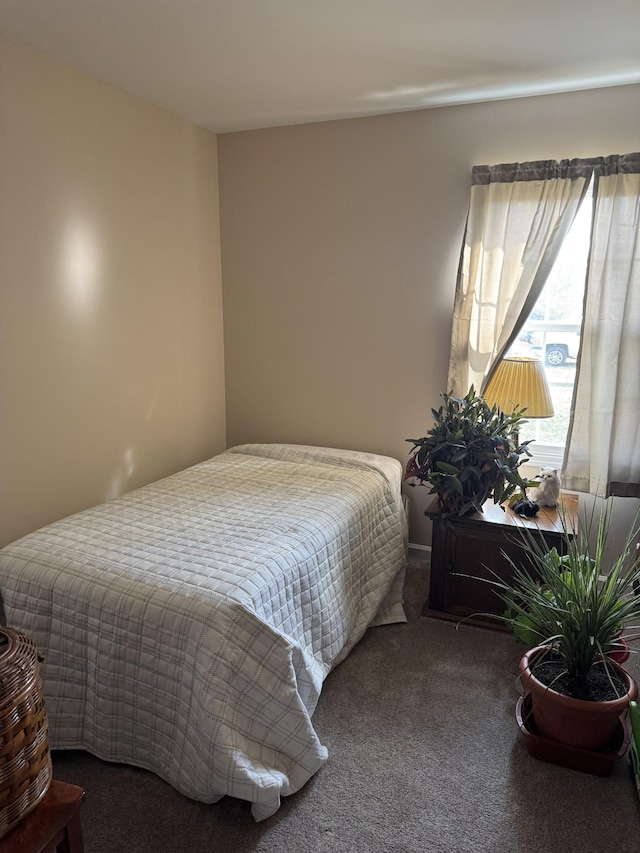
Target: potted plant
[
  {"x": 571, "y": 610},
  {"x": 471, "y": 453}
]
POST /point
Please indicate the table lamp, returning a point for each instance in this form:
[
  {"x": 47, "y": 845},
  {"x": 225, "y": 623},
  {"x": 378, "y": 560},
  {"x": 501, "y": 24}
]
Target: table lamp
[{"x": 520, "y": 383}]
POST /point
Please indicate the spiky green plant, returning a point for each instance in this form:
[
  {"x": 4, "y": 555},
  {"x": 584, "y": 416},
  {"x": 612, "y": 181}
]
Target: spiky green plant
[
  {"x": 471, "y": 453},
  {"x": 574, "y": 603}
]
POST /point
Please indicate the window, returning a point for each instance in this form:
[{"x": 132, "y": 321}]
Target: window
[
  {"x": 552, "y": 334},
  {"x": 517, "y": 261}
]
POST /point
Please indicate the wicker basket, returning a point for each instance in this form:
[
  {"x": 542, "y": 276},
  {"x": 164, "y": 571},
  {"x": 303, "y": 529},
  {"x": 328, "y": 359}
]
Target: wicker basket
[{"x": 25, "y": 760}]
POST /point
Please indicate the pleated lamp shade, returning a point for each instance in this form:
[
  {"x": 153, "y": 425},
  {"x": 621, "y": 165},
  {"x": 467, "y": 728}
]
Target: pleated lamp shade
[{"x": 520, "y": 383}]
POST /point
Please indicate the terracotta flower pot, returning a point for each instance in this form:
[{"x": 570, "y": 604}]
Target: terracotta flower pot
[
  {"x": 575, "y": 722},
  {"x": 620, "y": 651}
]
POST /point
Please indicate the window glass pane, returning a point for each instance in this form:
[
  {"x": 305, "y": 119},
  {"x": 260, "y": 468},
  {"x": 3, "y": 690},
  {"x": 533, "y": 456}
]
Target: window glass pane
[{"x": 552, "y": 332}]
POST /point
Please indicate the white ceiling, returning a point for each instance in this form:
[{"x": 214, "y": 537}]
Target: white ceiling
[{"x": 239, "y": 64}]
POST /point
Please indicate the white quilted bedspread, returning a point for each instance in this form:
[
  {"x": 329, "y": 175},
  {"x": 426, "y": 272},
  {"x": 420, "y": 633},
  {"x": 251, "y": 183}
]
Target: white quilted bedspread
[{"x": 188, "y": 626}]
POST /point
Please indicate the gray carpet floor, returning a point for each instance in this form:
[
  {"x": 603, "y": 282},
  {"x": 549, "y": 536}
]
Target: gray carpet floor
[{"x": 424, "y": 755}]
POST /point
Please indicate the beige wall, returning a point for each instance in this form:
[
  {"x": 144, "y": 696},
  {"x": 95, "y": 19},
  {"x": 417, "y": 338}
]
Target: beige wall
[
  {"x": 340, "y": 250},
  {"x": 111, "y": 350},
  {"x": 341, "y": 245}
]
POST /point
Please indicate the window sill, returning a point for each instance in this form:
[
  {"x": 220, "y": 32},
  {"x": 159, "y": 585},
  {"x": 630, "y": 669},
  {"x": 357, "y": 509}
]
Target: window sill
[{"x": 545, "y": 456}]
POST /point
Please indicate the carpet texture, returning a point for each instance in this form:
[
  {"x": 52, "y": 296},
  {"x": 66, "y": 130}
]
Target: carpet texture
[{"x": 424, "y": 755}]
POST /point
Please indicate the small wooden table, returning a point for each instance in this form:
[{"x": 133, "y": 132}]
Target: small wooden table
[
  {"x": 473, "y": 545},
  {"x": 54, "y": 824}
]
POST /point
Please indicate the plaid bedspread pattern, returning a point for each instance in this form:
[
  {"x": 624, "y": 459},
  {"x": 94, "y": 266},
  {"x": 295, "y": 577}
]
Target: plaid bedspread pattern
[{"x": 188, "y": 626}]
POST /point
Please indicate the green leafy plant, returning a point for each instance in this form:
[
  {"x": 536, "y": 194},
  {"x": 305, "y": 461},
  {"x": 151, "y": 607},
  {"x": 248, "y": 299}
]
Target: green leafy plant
[
  {"x": 574, "y": 604},
  {"x": 471, "y": 453}
]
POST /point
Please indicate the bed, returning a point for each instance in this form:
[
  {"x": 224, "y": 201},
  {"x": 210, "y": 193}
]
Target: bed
[{"x": 187, "y": 627}]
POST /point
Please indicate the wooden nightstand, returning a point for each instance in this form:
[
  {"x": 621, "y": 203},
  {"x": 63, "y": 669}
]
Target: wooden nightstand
[
  {"x": 54, "y": 824},
  {"x": 468, "y": 545}
]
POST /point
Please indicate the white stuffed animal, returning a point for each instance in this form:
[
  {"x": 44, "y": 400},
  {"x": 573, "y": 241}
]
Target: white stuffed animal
[{"x": 548, "y": 492}]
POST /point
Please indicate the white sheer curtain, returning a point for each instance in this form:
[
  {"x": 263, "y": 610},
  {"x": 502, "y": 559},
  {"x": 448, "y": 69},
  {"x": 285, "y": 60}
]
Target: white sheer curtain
[
  {"x": 519, "y": 215},
  {"x": 603, "y": 446}
]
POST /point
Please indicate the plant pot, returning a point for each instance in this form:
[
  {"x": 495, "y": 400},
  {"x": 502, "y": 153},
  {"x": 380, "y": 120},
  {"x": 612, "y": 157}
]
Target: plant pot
[
  {"x": 599, "y": 762},
  {"x": 574, "y": 722},
  {"x": 620, "y": 651}
]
